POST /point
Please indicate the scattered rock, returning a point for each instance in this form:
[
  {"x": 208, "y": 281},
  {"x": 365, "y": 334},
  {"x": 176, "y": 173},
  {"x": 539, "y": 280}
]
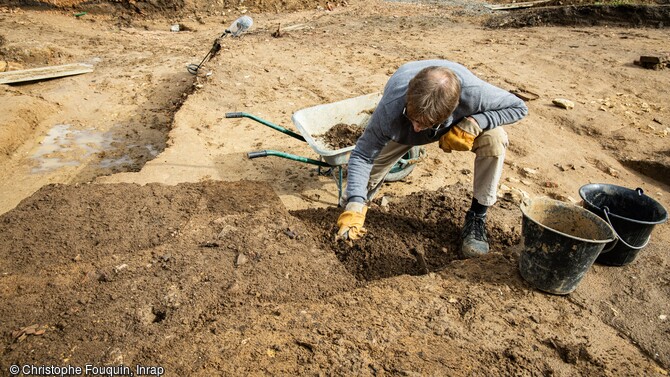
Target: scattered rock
[
  {"x": 613, "y": 172},
  {"x": 563, "y": 103},
  {"x": 36, "y": 329},
  {"x": 512, "y": 195},
  {"x": 528, "y": 172},
  {"x": 565, "y": 167},
  {"x": 384, "y": 202},
  {"x": 241, "y": 259},
  {"x": 291, "y": 234},
  {"x": 604, "y": 167},
  {"x": 655, "y": 62},
  {"x": 120, "y": 268}
]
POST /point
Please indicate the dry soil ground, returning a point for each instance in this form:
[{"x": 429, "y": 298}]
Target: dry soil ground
[{"x": 136, "y": 230}]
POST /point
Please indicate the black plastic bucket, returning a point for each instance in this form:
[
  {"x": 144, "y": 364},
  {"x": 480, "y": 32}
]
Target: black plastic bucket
[
  {"x": 560, "y": 243},
  {"x": 631, "y": 213}
]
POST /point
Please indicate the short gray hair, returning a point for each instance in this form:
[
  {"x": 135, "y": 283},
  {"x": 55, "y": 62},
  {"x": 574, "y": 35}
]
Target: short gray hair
[{"x": 432, "y": 95}]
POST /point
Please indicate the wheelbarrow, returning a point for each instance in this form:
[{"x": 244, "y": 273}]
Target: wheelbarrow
[{"x": 314, "y": 122}]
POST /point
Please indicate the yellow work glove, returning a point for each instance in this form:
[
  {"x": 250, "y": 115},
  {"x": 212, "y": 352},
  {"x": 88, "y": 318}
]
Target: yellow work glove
[
  {"x": 461, "y": 136},
  {"x": 351, "y": 221}
]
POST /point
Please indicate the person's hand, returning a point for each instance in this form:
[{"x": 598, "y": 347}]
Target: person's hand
[
  {"x": 351, "y": 221},
  {"x": 461, "y": 136}
]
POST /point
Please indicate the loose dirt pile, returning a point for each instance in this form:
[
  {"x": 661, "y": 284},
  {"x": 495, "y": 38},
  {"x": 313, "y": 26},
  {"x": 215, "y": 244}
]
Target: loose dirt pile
[
  {"x": 119, "y": 273},
  {"x": 429, "y": 222},
  {"x": 205, "y": 279}
]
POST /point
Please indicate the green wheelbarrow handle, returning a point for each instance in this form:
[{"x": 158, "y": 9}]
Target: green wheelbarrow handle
[{"x": 265, "y": 122}]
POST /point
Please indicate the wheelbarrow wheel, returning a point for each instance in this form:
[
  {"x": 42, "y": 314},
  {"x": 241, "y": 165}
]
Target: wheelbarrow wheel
[{"x": 402, "y": 168}]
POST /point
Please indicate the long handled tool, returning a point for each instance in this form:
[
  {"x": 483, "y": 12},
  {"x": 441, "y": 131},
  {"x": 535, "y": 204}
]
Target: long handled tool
[{"x": 236, "y": 29}]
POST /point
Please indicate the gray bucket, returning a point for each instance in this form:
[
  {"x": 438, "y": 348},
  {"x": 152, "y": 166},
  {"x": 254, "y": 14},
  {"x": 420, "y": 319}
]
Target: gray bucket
[{"x": 560, "y": 243}]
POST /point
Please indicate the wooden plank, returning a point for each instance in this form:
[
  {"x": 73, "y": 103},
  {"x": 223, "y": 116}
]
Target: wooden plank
[
  {"x": 43, "y": 73},
  {"x": 526, "y": 4}
]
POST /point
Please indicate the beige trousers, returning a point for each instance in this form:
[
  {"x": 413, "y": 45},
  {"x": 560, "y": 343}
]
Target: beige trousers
[{"x": 489, "y": 148}]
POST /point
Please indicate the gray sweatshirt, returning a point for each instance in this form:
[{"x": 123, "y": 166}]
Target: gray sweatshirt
[{"x": 489, "y": 105}]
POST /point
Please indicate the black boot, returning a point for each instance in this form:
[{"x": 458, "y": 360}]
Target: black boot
[{"x": 475, "y": 241}]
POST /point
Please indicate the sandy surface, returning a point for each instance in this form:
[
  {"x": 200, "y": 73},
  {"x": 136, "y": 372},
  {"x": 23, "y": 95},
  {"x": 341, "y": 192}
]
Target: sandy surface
[{"x": 166, "y": 245}]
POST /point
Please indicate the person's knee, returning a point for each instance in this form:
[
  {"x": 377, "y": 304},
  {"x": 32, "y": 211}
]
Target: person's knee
[{"x": 491, "y": 143}]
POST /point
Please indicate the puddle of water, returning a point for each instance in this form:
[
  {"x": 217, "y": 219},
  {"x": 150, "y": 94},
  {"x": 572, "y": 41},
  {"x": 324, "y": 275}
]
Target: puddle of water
[
  {"x": 152, "y": 150},
  {"x": 49, "y": 164},
  {"x": 111, "y": 162},
  {"x": 64, "y": 146}
]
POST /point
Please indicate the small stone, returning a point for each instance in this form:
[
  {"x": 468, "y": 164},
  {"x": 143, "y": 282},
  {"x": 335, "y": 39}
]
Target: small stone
[
  {"x": 385, "y": 202},
  {"x": 613, "y": 172},
  {"x": 563, "y": 103},
  {"x": 565, "y": 167},
  {"x": 120, "y": 268},
  {"x": 241, "y": 259},
  {"x": 662, "y": 317},
  {"x": 528, "y": 172}
]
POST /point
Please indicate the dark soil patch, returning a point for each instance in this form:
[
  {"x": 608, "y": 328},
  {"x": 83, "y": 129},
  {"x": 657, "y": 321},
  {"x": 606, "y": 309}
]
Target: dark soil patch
[
  {"x": 342, "y": 135},
  {"x": 585, "y": 15},
  {"x": 206, "y": 279},
  {"x": 131, "y": 274},
  {"x": 426, "y": 221}
]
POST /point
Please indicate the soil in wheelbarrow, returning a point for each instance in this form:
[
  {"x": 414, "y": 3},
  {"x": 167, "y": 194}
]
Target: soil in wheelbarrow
[
  {"x": 342, "y": 135},
  {"x": 219, "y": 278}
]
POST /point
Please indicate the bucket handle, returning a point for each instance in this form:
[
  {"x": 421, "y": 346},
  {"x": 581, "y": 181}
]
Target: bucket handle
[{"x": 618, "y": 238}]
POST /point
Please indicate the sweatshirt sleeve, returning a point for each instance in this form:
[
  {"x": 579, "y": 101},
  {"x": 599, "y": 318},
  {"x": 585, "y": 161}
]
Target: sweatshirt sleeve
[
  {"x": 367, "y": 148},
  {"x": 492, "y": 106}
]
